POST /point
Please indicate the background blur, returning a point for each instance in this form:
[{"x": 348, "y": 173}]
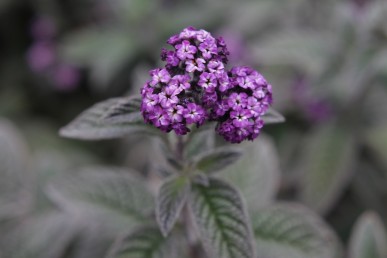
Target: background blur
[{"x": 326, "y": 60}]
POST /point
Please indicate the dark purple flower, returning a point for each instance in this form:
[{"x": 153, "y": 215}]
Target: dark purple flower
[
  {"x": 159, "y": 75},
  {"x": 195, "y": 65},
  {"x": 194, "y": 113},
  {"x": 185, "y": 50},
  {"x": 207, "y": 81},
  {"x": 41, "y": 56}
]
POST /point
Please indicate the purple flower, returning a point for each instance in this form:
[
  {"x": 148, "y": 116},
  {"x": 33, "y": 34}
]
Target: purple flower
[
  {"x": 159, "y": 76},
  {"x": 193, "y": 113},
  {"x": 185, "y": 50},
  {"x": 208, "y": 48},
  {"x": 150, "y": 100},
  {"x": 215, "y": 66},
  {"x": 176, "y": 113},
  {"x": 195, "y": 65},
  {"x": 168, "y": 96},
  {"x": 41, "y": 56},
  {"x": 240, "y": 117},
  {"x": 170, "y": 57},
  {"x": 159, "y": 117},
  {"x": 207, "y": 81},
  {"x": 237, "y": 100},
  {"x": 181, "y": 81}
]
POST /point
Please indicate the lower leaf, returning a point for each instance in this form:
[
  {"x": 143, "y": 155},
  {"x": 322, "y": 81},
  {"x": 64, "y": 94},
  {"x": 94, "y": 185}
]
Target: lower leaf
[{"x": 222, "y": 220}]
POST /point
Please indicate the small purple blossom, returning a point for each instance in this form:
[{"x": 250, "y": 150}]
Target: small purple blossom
[
  {"x": 185, "y": 50},
  {"x": 159, "y": 76},
  {"x": 195, "y": 65}
]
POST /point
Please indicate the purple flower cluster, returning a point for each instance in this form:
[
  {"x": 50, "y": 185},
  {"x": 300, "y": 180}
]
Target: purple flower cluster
[
  {"x": 239, "y": 109},
  {"x": 194, "y": 86},
  {"x": 177, "y": 94}
]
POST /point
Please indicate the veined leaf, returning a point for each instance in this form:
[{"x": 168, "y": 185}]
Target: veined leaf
[
  {"x": 292, "y": 231},
  {"x": 103, "y": 191},
  {"x": 273, "y": 117},
  {"x": 147, "y": 242},
  {"x": 222, "y": 220},
  {"x": 328, "y": 160},
  {"x": 369, "y": 238},
  {"x": 217, "y": 159},
  {"x": 112, "y": 118},
  {"x": 256, "y": 173},
  {"x": 199, "y": 141},
  {"x": 170, "y": 201}
]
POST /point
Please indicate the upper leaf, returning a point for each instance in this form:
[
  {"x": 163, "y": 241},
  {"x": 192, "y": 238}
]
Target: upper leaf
[
  {"x": 256, "y": 173},
  {"x": 106, "y": 191},
  {"x": 273, "y": 117},
  {"x": 217, "y": 159},
  {"x": 291, "y": 231},
  {"x": 147, "y": 242},
  {"x": 108, "y": 119},
  {"x": 170, "y": 201},
  {"x": 369, "y": 238},
  {"x": 327, "y": 161},
  {"x": 222, "y": 220}
]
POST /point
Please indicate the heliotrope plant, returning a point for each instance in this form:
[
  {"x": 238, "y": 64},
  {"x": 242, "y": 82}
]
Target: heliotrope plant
[{"x": 179, "y": 104}]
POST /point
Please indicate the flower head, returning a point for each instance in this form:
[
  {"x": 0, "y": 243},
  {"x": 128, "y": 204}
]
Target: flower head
[
  {"x": 195, "y": 87},
  {"x": 184, "y": 91}
]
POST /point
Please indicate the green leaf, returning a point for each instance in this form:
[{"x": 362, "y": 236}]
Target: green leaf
[
  {"x": 147, "y": 242},
  {"x": 273, "y": 117},
  {"x": 217, "y": 159},
  {"x": 199, "y": 141},
  {"x": 170, "y": 201},
  {"x": 112, "y": 118},
  {"x": 112, "y": 193},
  {"x": 369, "y": 238},
  {"x": 16, "y": 178},
  {"x": 328, "y": 158},
  {"x": 376, "y": 140},
  {"x": 44, "y": 235},
  {"x": 292, "y": 231},
  {"x": 256, "y": 173},
  {"x": 222, "y": 220}
]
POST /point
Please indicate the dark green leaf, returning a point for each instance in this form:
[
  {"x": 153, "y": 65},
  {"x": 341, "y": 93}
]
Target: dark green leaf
[
  {"x": 109, "y": 192},
  {"x": 222, "y": 220},
  {"x": 170, "y": 201},
  {"x": 217, "y": 159},
  {"x": 147, "y": 242},
  {"x": 112, "y": 118},
  {"x": 328, "y": 159},
  {"x": 369, "y": 238},
  {"x": 256, "y": 173},
  {"x": 292, "y": 231}
]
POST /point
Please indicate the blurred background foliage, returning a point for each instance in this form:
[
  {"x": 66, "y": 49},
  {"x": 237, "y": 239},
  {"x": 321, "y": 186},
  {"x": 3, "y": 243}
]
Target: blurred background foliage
[{"x": 326, "y": 60}]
